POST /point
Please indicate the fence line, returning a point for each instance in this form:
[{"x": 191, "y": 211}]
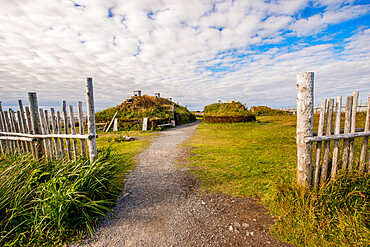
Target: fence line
[
  {"x": 326, "y": 162},
  {"x": 362, "y": 107},
  {"x": 31, "y": 129}
]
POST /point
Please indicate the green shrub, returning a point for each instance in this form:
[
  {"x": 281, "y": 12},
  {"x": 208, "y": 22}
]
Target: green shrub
[
  {"x": 266, "y": 111},
  {"x": 53, "y": 202}
]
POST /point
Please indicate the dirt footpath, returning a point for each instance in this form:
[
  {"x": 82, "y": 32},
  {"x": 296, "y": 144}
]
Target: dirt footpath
[{"x": 166, "y": 208}]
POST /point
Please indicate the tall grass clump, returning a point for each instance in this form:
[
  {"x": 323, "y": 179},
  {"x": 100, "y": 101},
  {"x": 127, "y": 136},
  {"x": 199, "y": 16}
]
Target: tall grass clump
[
  {"x": 45, "y": 202},
  {"x": 337, "y": 214}
]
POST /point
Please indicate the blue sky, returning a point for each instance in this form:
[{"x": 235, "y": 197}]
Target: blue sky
[{"x": 196, "y": 52}]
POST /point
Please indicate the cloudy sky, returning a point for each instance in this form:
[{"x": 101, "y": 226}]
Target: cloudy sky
[{"x": 195, "y": 51}]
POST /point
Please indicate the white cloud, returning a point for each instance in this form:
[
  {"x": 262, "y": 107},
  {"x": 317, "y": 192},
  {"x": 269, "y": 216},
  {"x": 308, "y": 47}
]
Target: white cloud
[{"x": 193, "y": 51}]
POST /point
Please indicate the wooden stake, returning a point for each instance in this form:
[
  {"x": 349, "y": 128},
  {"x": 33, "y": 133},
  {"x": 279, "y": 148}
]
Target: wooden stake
[
  {"x": 7, "y": 128},
  {"x": 365, "y": 141},
  {"x": 93, "y": 151},
  {"x": 24, "y": 123},
  {"x": 55, "y": 131},
  {"x": 319, "y": 144},
  {"x": 3, "y": 143},
  {"x": 73, "y": 131},
  {"x": 44, "y": 132},
  {"x": 353, "y": 130},
  {"x": 64, "y": 110},
  {"x": 338, "y": 106},
  {"x": 48, "y": 132},
  {"x": 325, "y": 158},
  {"x": 81, "y": 128},
  {"x": 35, "y": 119},
  {"x": 111, "y": 122},
  {"x": 305, "y": 85},
  {"x": 21, "y": 130},
  {"x": 30, "y": 129},
  {"x": 59, "y": 126},
  {"x": 347, "y": 129},
  {"x": 14, "y": 129}
]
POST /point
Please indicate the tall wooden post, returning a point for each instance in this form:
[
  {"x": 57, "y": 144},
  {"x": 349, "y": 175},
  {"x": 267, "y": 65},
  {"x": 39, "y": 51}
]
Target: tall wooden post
[
  {"x": 35, "y": 119},
  {"x": 91, "y": 142},
  {"x": 305, "y": 85}
]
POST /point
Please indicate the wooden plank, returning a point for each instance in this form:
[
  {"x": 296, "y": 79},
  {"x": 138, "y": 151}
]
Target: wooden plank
[
  {"x": 36, "y": 125},
  {"x": 305, "y": 85},
  {"x": 353, "y": 129},
  {"x": 347, "y": 129},
  {"x": 334, "y": 165},
  {"x": 145, "y": 124},
  {"x": 81, "y": 128},
  {"x": 55, "y": 131},
  {"x": 93, "y": 151},
  {"x": 73, "y": 131},
  {"x": 44, "y": 133},
  {"x": 59, "y": 126},
  {"x": 111, "y": 122},
  {"x": 15, "y": 138},
  {"x": 326, "y": 154},
  {"x": 48, "y": 136},
  {"x": 342, "y": 131},
  {"x": 336, "y": 137},
  {"x": 66, "y": 131},
  {"x": 365, "y": 141},
  {"x": 115, "y": 125},
  {"x": 319, "y": 144}
]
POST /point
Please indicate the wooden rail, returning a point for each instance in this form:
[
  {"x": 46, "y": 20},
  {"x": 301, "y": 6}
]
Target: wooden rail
[
  {"x": 315, "y": 173},
  {"x": 35, "y": 130}
]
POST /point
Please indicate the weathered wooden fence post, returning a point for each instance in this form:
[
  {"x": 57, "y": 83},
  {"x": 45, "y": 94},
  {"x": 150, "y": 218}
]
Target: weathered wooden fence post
[
  {"x": 35, "y": 119},
  {"x": 305, "y": 85},
  {"x": 91, "y": 142},
  {"x": 81, "y": 128}
]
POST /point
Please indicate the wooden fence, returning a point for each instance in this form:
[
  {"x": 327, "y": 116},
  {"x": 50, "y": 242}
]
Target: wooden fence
[
  {"x": 327, "y": 160},
  {"x": 49, "y": 135}
]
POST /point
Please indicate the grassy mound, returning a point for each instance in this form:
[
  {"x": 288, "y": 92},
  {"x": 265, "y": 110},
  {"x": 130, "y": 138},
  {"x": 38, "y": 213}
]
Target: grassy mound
[
  {"x": 266, "y": 111},
  {"x": 132, "y": 111},
  {"x": 233, "y": 109}
]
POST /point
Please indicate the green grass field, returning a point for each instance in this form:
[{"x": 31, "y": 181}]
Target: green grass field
[
  {"x": 245, "y": 159},
  {"x": 259, "y": 159}
]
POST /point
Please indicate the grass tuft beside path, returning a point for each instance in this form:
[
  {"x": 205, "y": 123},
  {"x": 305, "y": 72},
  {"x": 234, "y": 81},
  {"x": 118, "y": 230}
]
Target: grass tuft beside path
[{"x": 51, "y": 203}]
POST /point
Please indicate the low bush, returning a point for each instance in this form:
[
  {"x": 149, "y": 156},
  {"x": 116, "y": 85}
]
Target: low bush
[
  {"x": 53, "y": 202},
  {"x": 266, "y": 111}
]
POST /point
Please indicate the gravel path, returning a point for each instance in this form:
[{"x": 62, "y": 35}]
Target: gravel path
[{"x": 165, "y": 206}]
